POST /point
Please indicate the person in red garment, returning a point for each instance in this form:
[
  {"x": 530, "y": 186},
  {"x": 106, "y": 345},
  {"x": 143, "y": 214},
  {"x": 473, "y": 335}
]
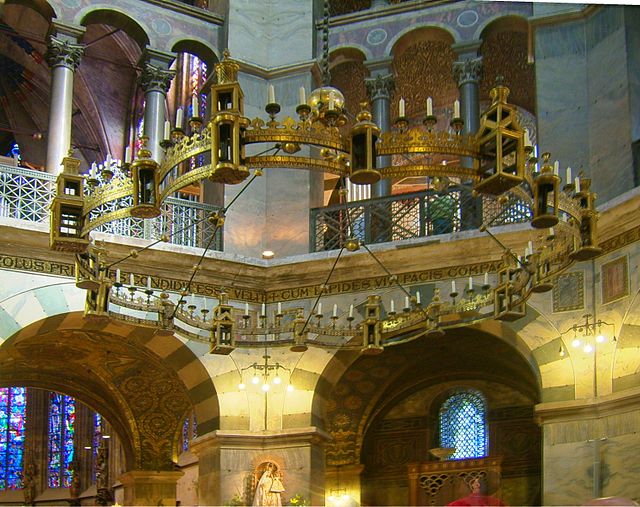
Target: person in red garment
[{"x": 478, "y": 496}]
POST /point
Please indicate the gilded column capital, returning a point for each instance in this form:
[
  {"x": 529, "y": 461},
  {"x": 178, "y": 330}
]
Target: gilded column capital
[
  {"x": 380, "y": 87},
  {"x": 61, "y": 52},
  {"x": 155, "y": 78},
  {"x": 468, "y": 70}
]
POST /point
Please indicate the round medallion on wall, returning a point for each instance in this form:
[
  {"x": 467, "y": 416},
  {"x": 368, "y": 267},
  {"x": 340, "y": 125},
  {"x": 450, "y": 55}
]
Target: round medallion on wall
[
  {"x": 161, "y": 26},
  {"x": 467, "y": 18},
  {"x": 376, "y": 36}
]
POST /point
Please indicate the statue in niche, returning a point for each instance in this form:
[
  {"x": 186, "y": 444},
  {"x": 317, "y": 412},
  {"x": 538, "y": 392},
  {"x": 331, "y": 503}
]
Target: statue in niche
[{"x": 269, "y": 487}]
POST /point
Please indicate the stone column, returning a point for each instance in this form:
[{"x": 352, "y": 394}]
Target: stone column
[
  {"x": 145, "y": 487},
  {"x": 155, "y": 80},
  {"x": 63, "y": 56},
  {"x": 467, "y": 71}
]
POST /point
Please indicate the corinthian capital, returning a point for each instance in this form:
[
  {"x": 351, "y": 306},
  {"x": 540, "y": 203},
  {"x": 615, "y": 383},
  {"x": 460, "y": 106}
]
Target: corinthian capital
[
  {"x": 154, "y": 78},
  {"x": 63, "y": 53},
  {"x": 467, "y": 71},
  {"x": 380, "y": 87}
]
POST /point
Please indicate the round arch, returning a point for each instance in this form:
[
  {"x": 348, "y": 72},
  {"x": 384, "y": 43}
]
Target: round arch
[
  {"x": 144, "y": 384},
  {"x": 42, "y": 7},
  {"x": 117, "y": 18},
  {"x": 199, "y": 48},
  {"x": 412, "y": 35}
]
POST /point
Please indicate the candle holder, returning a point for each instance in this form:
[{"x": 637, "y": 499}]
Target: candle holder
[
  {"x": 106, "y": 174},
  {"x": 303, "y": 110},
  {"x": 204, "y": 313},
  {"x": 457, "y": 124},
  {"x": 401, "y": 123},
  {"x": 430, "y": 121},
  {"x": 272, "y": 109},
  {"x": 177, "y": 134},
  {"x": 165, "y": 144},
  {"x": 195, "y": 123},
  {"x": 191, "y": 309}
]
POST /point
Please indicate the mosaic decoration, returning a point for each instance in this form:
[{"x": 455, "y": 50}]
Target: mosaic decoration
[
  {"x": 568, "y": 292},
  {"x": 62, "y": 414},
  {"x": 615, "y": 280},
  {"x": 13, "y": 402},
  {"x": 463, "y": 425}
]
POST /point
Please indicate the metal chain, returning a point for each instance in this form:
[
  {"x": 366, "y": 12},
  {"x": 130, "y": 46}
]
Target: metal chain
[{"x": 324, "y": 64}]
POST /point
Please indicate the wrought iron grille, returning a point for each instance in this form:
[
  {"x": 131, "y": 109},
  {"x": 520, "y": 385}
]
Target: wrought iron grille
[
  {"x": 463, "y": 425},
  {"x": 26, "y": 194},
  {"x": 412, "y": 215}
]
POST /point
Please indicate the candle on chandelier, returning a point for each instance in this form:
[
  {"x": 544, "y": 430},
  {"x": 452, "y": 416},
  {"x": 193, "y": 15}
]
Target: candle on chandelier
[
  {"x": 335, "y": 310},
  {"x": 271, "y": 99},
  {"x": 350, "y": 311},
  {"x": 302, "y": 96},
  {"x": 118, "y": 275},
  {"x": 530, "y": 248},
  {"x": 456, "y": 109},
  {"x": 406, "y": 301},
  {"x": 246, "y": 308},
  {"x": 453, "y": 286},
  {"x": 319, "y": 312},
  {"x": 393, "y": 306},
  {"x": 132, "y": 281},
  {"x": 429, "y": 106},
  {"x": 418, "y": 297},
  {"x": 486, "y": 278},
  {"x": 179, "y": 118},
  {"x": 551, "y": 231},
  {"x": 568, "y": 175},
  {"x": 556, "y": 168},
  {"x": 577, "y": 184},
  {"x": 93, "y": 171},
  {"x": 527, "y": 138},
  {"x": 195, "y": 109},
  {"x": 401, "y": 110},
  {"x": 108, "y": 163},
  {"x": 470, "y": 283},
  {"x": 263, "y": 310},
  {"x": 148, "y": 283},
  {"x": 279, "y": 308},
  {"x": 167, "y": 130},
  {"x": 127, "y": 155}
]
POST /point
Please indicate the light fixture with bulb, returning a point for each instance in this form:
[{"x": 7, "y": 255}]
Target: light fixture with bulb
[
  {"x": 262, "y": 373},
  {"x": 587, "y": 334}
]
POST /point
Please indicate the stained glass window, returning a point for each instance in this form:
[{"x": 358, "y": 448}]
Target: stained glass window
[
  {"x": 95, "y": 444},
  {"x": 62, "y": 414},
  {"x": 189, "y": 431},
  {"x": 463, "y": 424},
  {"x": 13, "y": 401}
]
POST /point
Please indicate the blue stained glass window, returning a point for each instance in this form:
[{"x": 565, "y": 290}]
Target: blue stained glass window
[
  {"x": 463, "y": 425},
  {"x": 97, "y": 437},
  {"x": 62, "y": 414},
  {"x": 13, "y": 402}
]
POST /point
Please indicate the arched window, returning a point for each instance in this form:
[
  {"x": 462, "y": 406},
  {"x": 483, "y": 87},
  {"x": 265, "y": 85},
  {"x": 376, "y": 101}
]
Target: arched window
[
  {"x": 13, "y": 402},
  {"x": 463, "y": 424},
  {"x": 62, "y": 414}
]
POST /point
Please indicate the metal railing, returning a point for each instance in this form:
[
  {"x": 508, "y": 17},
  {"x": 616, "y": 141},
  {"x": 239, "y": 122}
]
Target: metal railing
[
  {"x": 413, "y": 215},
  {"x": 26, "y": 194}
]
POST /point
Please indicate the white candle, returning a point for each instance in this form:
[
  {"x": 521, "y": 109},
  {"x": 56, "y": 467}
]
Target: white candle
[
  {"x": 335, "y": 310},
  {"x": 527, "y": 139},
  {"x": 556, "y": 168},
  {"x": 195, "y": 109},
  {"x": 551, "y": 231},
  {"x": 132, "y": 282},
  {"x": 350, "y": 311},
  {"x": 148, "y": 283},
  {"x": 127, "y": 155},
  {"x": 279, "y": 308},
  {"x": 118, "y": 275},
  {"x": 568, "y": 175},
  {"x": 486, "y": 278},
  {"x": 406, "y": 301},
  {"x": 108, "y": 164},
  {"x": 453, "y": 285},
  {"x": 535, "y": 151},
  {"x": 470, "y": 283},
  {"x": 577, "y": 184},
  {"x": 393, "y": 306},
  {"x": 92, "y": 172},
  {"x": 302, "y": 97},
  {"x": 429, "y": 106},
  {"x": 264, "y": 309},
  {"x": 418, "y": 297},
  {"x": 167, "y": 130},
  {"x": 401, "y": 107},
  {"x": 456, "y": 109},
  {"x": 179, "y": 115},
  {"x": 319, "y": 309},
  {"x": 530, "y": 248},
  {"x": 332, "y": 101},
  {"x": 271, "y": 99},
  {"x": 246, "y": 308}
]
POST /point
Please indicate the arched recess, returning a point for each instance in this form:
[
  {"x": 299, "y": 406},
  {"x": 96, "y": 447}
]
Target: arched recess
[
  {"x": 423, "y": 67},
  {"x": 144, "y": 385},
  {"x": 116, "y": 19},
  {"x": 42, "y": 7},
  {"x": 505, "y": 52},
  {"x": 200, "y": 49},
  {"x": 357, "y": 409}
]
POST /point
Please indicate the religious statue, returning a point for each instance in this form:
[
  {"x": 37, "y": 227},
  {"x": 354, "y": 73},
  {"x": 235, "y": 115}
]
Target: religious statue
[{"x": 269, "y": 488}]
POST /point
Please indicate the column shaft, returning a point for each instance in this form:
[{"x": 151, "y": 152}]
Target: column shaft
[{"x": 154, "y": 121}]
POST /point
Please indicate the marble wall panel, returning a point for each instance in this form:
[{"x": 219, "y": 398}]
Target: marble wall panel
[{"x": 632, "y": 24}]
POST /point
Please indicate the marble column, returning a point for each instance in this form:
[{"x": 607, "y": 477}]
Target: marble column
[
  {"x": 146, "y": 487},
  {"x": 155, "y": 80},
  {"x": 467, "y": 71},
  {"x": 63, "y": 56}
]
